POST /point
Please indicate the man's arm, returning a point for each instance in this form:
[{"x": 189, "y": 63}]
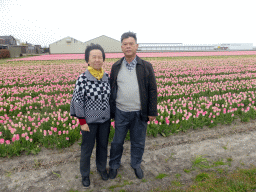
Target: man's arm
[
  {"x": 111, "y": 102},
  {"x": 152, "y": 93}
]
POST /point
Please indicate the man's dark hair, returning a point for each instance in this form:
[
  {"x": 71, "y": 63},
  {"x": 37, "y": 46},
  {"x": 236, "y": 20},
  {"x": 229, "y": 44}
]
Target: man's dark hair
[
  {"x": 127, "y": 35},
  {"x": 93, "y": 46}
]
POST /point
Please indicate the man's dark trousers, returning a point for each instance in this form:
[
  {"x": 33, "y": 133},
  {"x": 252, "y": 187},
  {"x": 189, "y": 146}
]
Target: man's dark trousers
[
  {"x": 138, "y": 128},
  {"x": 100, "y": 131}
]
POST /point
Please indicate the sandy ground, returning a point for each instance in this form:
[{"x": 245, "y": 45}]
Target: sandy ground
[{"x": 58, "y": 170}]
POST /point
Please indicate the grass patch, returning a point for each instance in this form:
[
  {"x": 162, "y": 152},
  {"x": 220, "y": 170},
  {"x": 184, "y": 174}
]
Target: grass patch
[
  {"x": 200, "y": 162},
  {"x": 203, "y": 163},
  {"x": 238, "y": 180},
  {"x": 224, "y": 147},
  {"x": 161, "y": 176},
  {"x": 220, "y": 162},
  {"x": 202, "y": 176},
  {"x": 178, "y": 175},
  {"x": 171, "y": 157},
  {"x": 176, "y": 183},
  {"x": 125, "y": 182}
]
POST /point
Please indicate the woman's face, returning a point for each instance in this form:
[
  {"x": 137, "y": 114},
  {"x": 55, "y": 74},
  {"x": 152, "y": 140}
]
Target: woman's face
[{"x": 95, "y": 59}]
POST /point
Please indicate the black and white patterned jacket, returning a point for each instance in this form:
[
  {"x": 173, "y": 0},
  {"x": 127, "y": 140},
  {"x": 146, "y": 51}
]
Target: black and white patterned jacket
[{"x": 90, "y": 99}]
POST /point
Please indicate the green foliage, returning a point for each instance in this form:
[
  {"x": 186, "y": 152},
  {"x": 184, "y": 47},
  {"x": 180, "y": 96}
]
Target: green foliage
[
  {"x": 202, "y": 177},
  {"x": 4, "y": 53},
  {"x": 161, "y": 176}
]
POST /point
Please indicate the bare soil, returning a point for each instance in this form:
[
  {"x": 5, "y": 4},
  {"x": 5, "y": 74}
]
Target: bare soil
[{"x": 58, "y": 170}]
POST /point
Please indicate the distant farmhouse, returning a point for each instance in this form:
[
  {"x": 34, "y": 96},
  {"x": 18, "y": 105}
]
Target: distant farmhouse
[
  {"x": 70, "y": 45},
  {"x": 10, "y": 43}
]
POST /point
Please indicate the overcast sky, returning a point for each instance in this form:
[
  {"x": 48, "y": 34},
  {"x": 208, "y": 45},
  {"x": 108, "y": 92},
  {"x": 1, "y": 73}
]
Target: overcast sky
[{"x": 158, "y": 21}]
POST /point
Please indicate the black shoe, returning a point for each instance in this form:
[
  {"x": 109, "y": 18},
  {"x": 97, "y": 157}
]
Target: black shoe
[
  {"x": 139, "y": 173},
  {"x": 112, "y": 173},
  {"x": 86, "y": 181},
  {"x": 104, "y": 174}
]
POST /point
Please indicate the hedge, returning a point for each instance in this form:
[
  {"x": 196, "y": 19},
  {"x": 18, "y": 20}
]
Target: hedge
[{"x": 4, "y": 53}]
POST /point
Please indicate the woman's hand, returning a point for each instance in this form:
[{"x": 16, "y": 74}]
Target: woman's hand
[
  {"x": 85, "y": 127},
  {"x": 151, "y": 118}
]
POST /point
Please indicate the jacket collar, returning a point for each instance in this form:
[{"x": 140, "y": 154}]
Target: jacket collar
[
  {"x": 139, "y": 61},
  {"x": 92, "y": 78}
]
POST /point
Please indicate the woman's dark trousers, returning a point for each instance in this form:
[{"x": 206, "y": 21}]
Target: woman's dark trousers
[{"x": 100, "y": 132}]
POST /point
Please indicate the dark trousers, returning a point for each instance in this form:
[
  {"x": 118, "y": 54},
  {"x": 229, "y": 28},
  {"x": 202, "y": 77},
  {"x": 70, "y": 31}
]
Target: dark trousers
[
  {"x": 138, "y": 128},
  {"x": 100, "y": 132}
]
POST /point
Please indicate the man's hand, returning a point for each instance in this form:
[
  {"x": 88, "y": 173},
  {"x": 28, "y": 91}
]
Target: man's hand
[
  {"x": 85, "y": 127},
  {"x": 152, "y": 118}
]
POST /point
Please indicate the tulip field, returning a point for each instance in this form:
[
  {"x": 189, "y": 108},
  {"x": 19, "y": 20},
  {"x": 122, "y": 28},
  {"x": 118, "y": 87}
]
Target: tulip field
[
  {"x": 119, "y": 55},
  {"x": 192, "y": 92}
]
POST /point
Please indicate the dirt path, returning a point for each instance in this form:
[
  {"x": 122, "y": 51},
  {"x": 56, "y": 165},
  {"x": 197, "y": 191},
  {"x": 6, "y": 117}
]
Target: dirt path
[{"x": 53, "y": 170}]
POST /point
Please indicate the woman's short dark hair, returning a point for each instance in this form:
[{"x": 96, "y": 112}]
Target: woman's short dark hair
[
  {"x": 127, "y": 35},
  {"x": 93, "y": 46}
]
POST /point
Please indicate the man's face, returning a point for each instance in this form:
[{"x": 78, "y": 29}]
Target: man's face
[
  {"x": 95, "y": 59},
  {"x": 129, "y": 47}
]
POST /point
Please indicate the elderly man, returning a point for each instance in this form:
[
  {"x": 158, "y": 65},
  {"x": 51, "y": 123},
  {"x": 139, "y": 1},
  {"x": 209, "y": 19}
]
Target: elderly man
[{"x": 133, "y": 103}]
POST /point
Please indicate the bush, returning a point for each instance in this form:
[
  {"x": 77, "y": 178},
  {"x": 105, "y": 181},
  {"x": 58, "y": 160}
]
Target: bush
[{"x": 4, "y": 53}]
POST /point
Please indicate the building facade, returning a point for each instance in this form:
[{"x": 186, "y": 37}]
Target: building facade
[
  {"x": 167, "y": 47},
  {"x": 9, "y": 40},
  {"x": 2, "y": 41},
  {"x": 69, "y": 45},
  {"x": 109, "y": 45}
]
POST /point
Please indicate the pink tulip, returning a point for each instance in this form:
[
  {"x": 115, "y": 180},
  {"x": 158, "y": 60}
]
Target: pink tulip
[
  {"x": 7, "y": 142},
  {"x": 1, "y": 141}
]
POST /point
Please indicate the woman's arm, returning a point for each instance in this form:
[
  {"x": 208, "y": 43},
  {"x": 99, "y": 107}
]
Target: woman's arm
[{"x": 78, "y": 100}]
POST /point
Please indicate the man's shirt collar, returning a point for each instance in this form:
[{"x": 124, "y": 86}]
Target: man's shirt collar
[{"x": 132, "y": 65}]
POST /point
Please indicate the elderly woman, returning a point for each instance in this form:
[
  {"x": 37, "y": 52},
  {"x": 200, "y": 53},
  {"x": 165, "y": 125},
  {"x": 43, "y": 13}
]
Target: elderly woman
[{"x": 90, "y": 104}]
